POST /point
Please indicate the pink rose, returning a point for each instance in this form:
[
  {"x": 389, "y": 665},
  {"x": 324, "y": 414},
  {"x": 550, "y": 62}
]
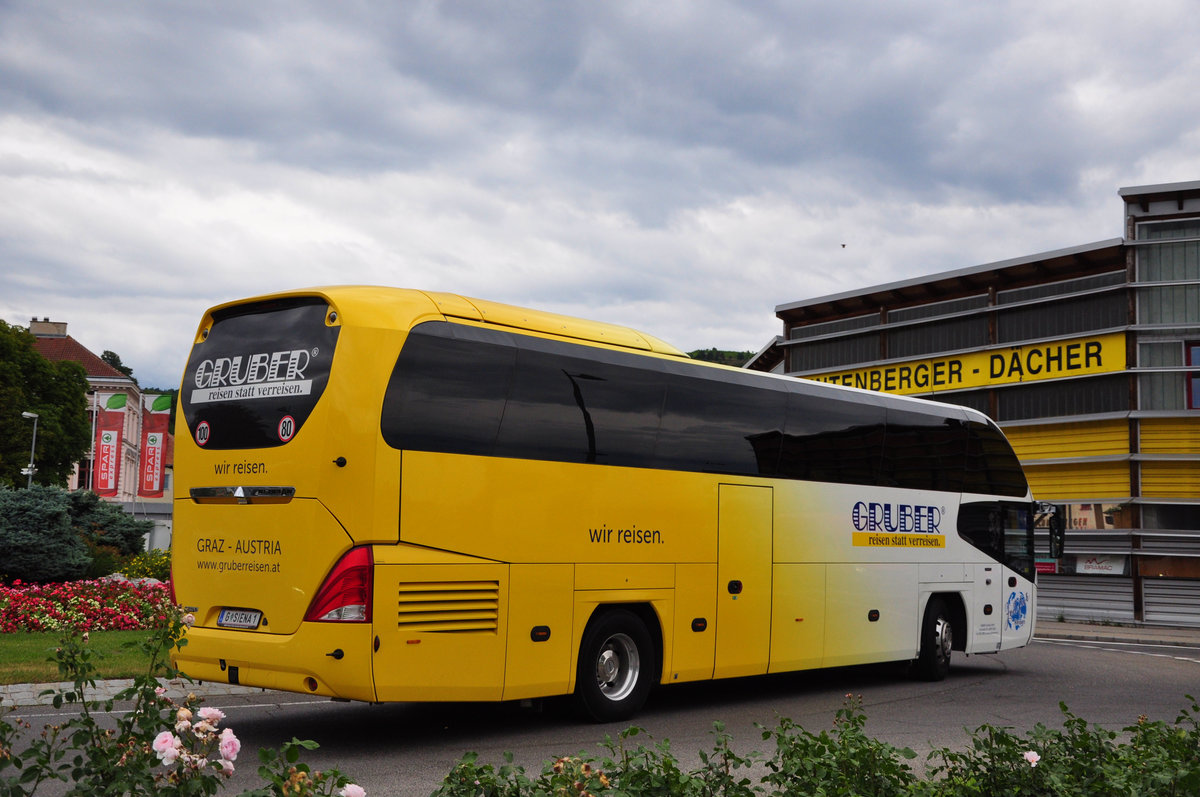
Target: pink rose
[
  {"x": 164, "y": 741},
  {"x": 353, "y": 790},
  {"x": 229, "y": 745},
  {"x": 213, "y": 715},
  {"x": 168, "y": 747}
]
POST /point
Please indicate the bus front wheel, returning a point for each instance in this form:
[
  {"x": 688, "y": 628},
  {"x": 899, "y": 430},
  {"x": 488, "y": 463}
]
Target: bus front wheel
[
  {"x": 615, "y": 666},
  {"x": 937, "y": 640}
]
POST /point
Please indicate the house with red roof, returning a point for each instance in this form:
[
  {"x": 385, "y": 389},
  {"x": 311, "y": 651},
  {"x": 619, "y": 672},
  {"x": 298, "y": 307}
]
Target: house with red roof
[{"x": 52, "y": 342}]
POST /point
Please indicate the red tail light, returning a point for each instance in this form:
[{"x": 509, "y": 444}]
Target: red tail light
[{"x": 345, "y": 597}]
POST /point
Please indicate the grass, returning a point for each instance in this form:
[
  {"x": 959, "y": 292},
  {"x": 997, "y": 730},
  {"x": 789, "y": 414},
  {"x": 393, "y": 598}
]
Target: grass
[{"x": 28, "y": 658}]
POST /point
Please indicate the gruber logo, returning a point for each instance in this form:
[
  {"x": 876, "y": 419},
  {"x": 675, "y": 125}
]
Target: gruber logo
[
  {"x": 278, "y": 366},
  {"x": 253, "y": 376},
  {"x": 896, "y": 518}
]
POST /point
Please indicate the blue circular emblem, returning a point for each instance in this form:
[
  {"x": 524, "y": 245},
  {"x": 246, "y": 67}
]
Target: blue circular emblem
[{"x": 1018, "y": 610}]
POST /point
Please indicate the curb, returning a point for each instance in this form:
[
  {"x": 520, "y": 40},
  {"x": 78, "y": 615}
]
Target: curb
[
  {"x": 1120, "y": 634},
  {"x": 13, "y": 696}
]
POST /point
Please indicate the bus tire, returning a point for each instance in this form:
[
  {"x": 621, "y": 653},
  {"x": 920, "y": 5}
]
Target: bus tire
[
  {"x": 937, "y": 640},
  {"x": 616, "y": 660}
]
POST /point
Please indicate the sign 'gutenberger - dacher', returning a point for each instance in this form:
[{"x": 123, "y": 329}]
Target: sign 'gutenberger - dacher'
[{"x": 1002, "y": 366}]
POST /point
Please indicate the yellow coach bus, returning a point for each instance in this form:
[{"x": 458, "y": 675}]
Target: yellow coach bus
[{"x": 395, "y": 495}]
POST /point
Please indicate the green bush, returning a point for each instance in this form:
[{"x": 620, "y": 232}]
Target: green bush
[
  {"x": 37, "y": 542},
  {"x": 844, "y": 762},
  {"x": 106, "y": 560},
  {"x": 149, "y": 564},
  {"x": 104, "y": 523},
  {"x": 51, "y": 534},
  {"x": 1158, "y": 759}
]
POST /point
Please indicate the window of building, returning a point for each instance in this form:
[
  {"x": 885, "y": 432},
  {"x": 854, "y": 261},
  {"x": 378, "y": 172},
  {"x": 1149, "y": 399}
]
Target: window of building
[
  {"x": 1161, "y": 390},
  {"x": 1154, "y": 230},
  {"x": 1084, "y": 314},
  {"x": 835, "y": 353},
  {"x": 1063, "y": 288},
  {"x": 949, "y": 335},
  {"x": 1175, "y": 304},
  {"x": 833, "y": 327},
  {"x": 1094, "y": 396},
  {"x": 1169, "y": 262},
  {"x": 935, "y": 309},
  {"x": 1170, "y": 516}
]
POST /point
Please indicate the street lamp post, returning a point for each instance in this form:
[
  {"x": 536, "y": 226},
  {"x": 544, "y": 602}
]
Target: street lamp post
[{"x": 32, "y": 448}]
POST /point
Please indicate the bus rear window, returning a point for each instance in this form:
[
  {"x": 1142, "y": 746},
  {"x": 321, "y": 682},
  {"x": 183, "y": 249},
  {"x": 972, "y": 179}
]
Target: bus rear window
[{"x": 254, "y": 380}]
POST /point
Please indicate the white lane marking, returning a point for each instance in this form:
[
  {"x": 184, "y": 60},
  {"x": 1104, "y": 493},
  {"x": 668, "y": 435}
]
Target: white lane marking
[{"x": 1109, "y": 648}]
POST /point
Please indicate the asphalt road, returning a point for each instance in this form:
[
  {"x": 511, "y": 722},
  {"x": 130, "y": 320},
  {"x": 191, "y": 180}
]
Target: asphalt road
[{"x": 406, "y": 749}]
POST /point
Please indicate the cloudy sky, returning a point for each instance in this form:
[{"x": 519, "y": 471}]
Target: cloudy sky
[{"x": 680, "y": 167}]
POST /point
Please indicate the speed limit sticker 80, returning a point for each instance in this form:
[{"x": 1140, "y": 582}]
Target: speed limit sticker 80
[{"x": 287, "y": 428}]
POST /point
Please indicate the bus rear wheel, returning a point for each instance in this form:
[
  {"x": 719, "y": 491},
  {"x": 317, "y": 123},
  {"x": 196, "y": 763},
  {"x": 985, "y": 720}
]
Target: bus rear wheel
[
  {"x": 937, "y": 641},
  {"x": 615, "y": 666}
]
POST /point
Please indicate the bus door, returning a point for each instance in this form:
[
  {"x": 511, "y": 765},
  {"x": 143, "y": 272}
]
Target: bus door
[
  {"x": 743, "y": 639},
  {"x": 986, "y": 614},
  {"x": 1018, "y": 609}
]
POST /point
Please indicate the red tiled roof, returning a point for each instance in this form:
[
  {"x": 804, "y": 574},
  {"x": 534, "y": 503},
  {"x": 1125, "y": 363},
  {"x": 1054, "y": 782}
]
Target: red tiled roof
[{"x": 67, "y": 349}]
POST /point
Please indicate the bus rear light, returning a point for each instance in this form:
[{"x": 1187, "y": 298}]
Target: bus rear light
[{"x": 345, "y": 597}]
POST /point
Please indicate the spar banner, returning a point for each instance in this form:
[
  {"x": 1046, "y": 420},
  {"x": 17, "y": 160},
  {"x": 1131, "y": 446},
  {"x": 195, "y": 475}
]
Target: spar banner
[
  {"x": 110, "y": 420},
  {"x": 156, "y": 411}
]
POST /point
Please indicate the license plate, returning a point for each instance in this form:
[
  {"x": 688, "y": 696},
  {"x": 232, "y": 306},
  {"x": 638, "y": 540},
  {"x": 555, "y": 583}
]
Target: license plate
[{"x": 238, "y": 618}]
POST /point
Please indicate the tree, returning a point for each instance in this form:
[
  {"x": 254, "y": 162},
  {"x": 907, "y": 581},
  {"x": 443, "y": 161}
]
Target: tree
[
  {"x": 37, "y": 542},
  {"x": 102, "y": 523},
  {"x": 735, "y": 358},
  {"x": 114, "y": 359},
  {"x": 57, "y": 392}
]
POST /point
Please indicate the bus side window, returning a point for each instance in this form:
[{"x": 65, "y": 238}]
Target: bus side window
[
  {"x": 566, "y": 408},
  {"x": 992, "y": 466},
  {"x": 833, "y": 440},
  {"x": 448, "y": 389},
  {"x": 1002, "y": 530},
  {"x": 923, "y": 451},
  {"x": 713, "y": 424}
]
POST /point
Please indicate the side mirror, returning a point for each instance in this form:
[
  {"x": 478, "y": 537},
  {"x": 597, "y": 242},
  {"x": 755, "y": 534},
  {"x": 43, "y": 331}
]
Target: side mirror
[{"x": 1056, "y": 524}]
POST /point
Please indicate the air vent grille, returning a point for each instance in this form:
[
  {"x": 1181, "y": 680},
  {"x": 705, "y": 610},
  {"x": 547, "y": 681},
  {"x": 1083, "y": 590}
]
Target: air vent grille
[{"x": 449, "y": 606}]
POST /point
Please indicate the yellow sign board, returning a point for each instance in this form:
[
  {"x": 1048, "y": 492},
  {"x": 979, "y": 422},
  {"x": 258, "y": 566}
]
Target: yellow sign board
[{"x": 1002, "y": 366}]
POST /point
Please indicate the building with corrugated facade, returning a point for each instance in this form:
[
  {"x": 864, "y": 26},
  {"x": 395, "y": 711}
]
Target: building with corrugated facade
[{"x": 1089, "y": 358}]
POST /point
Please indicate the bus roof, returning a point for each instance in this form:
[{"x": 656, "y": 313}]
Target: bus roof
[
  {"x": 377, "y": 304},
  {"x": 507, "y": 315}
]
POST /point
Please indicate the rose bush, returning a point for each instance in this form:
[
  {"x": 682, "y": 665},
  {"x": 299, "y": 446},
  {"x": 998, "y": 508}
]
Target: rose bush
[
  {"x": 158, "y": 748},
  {"x": 99, "y": 605}
]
